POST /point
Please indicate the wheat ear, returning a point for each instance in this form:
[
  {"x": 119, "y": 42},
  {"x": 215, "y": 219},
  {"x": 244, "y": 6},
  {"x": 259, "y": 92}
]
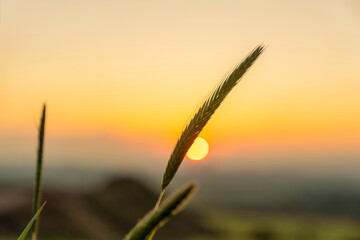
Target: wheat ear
[{"x": 204, "y": 114}]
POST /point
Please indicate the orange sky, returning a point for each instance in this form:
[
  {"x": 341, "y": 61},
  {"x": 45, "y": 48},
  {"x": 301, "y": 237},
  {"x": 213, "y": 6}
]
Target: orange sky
[{"x": 136, "y": 70}]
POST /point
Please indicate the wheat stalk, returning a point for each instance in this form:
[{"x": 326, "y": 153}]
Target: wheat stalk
[
  {"x": 158, "y": 217},
  {"x": 204, "y": 114}
]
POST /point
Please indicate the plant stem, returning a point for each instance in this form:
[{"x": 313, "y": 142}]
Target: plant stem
[
  {"x": 155, "y": 208},
  {"x": 159, "y": 199},
  {"x": 38, "y": 176}
]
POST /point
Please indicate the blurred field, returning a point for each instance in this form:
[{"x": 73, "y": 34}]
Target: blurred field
[
  {"x": 296, "y": 209},
  {"x": 250, "y": 226},
  {"x": 202, "y": 220},
  {"x": 272, "y": 227}
]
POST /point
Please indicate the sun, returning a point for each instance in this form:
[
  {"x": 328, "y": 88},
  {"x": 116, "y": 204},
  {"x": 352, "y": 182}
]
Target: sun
[{"x": 199, "y": 150}]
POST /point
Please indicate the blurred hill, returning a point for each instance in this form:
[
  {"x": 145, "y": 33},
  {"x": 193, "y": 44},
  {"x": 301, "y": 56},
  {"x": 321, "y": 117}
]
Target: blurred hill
[
  {"x": 287, "y": 192},
  {"x": 106, "y": 212}
]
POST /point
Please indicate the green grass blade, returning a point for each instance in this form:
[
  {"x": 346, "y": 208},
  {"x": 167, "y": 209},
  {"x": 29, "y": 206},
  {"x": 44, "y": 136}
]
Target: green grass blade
[
  {"x": 38, "y": 176},
  {"x": 27, "y": 229},
  {"x": 157, "y": 218},
  {"x": 204, "y": 114}
]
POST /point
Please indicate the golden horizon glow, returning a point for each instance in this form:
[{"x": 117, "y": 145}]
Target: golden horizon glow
[
  {"x": 137, "y": 71},
  {"x": 198, "y": 150}
]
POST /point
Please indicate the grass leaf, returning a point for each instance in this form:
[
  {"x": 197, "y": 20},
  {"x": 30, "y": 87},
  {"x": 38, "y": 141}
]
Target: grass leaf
[
  {"x": 38, "y": 176},
  {"x": 204, "y": 114},
  {"x": 26, "y": 230},
  {"x": 158, "y": 217}
]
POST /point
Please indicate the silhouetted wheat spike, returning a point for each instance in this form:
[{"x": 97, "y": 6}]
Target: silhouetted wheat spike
[
  {"x": 155, "y": 219},
  {"x": 38, "y": 176},
  {"x": 203, "y": 115}
]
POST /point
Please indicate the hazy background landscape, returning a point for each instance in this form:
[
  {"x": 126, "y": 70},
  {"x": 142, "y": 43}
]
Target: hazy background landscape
[{"x": 122, "y": 78}]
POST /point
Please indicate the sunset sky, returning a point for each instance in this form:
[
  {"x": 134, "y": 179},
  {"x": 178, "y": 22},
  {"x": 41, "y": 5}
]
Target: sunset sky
[{"x": 122, "y": 78}]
